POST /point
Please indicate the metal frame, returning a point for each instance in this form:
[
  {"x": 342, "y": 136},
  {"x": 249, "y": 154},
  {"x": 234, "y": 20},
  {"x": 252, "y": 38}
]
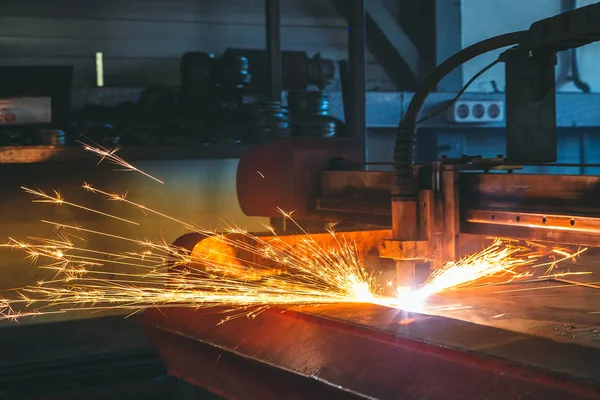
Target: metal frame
[
  {"x": 273, "y": 40},
  {"x": 397, "y": 53},
  {"x": 398, "y": 39},
  {"x": 356, "y": 121}
]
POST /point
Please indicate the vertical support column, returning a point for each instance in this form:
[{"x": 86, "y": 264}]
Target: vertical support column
[
  {"x": 451, "y": 217},
  {"x": 273, "y": 32},
  {"x": 356, "y": 120},
  {"x": 448, "y": 41},
  {"x": 274, "y": 68},
  {"x": 425, "y": 212}
]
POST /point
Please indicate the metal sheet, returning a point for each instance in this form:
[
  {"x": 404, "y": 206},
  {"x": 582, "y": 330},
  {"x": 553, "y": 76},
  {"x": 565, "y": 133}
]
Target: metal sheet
[{"x": 371, "y": 351}]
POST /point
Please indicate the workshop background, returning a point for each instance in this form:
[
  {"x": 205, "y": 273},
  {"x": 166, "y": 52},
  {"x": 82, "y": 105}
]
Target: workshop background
[{"x": 141, "y": 44}]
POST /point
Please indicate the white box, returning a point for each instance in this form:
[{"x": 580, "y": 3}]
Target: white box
[{"x": 476, "y": 112}]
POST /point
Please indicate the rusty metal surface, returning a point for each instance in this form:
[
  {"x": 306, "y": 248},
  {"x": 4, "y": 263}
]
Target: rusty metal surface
[{"x": 366, "y": 350}]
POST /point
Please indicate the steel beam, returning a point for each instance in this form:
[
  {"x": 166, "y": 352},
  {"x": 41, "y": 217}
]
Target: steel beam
[
  {"x": 397, "y": 37},
  {"x": 384, "y": 44},
  {"x": 356, "y": 121},
  {"x": 273, "y": 40},
  {"x": 448, "y": 40}
]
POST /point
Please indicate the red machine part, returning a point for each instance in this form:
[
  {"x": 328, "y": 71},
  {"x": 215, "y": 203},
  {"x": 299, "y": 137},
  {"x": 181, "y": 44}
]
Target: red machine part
[
  {"x": 344, "y": 352},
  {"x": 9, "y": 117},
  {"x": 285, "y": 174}
]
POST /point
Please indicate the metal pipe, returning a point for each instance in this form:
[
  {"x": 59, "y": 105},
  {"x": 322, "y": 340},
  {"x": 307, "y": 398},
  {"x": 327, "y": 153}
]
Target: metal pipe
[
  {"x": 356, "y": 120},
  {"x": 273, "y": 39}
]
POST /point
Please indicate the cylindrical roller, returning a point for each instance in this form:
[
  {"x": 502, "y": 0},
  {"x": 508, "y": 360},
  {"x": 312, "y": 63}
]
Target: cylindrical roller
[
  {"x": 247, "y": 257},
  {"x": 214, "y": 255}
]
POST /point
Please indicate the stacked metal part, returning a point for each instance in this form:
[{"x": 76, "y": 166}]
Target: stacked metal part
[
  {"x": 196, "y": 82},
  {"x": 299, "y": 71},
  {"x": 232, "y": 75},
  {"x": 309, "y": 114},
  {"x": 267, "y": 120}
]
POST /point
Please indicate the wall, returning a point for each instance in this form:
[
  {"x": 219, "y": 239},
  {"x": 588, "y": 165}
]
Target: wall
[
  {"x": 201, "y": 192},
  {"x": 143, "y": 40},
  {"x": 485, "y": 18}
]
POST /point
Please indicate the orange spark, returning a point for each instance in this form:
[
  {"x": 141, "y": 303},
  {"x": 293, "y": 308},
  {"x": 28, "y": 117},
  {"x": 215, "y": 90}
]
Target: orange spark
[
  {"x": 110, "y": 154},
  {"x": 59, "y": 200}
]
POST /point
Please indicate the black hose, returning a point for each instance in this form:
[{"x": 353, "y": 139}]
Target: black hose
[{"x": 404, "y": 152}]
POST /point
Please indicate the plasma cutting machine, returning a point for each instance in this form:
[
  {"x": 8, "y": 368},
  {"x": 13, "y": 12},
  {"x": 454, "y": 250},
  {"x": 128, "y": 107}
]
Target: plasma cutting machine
[
  {"x": 438, "y": 209},
  {"x": 414, "y": 214}
]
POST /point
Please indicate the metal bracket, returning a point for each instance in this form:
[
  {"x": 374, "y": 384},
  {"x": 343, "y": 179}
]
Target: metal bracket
[
  {"x": 405, "y": 251},
  {"x": 530, "y": 106}
]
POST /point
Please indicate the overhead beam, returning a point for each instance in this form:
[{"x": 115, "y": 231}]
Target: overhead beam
[
  {"x": 273, "y": 40},
  {"x": 395, "y": 35},
  {"x": 399, "y": 55},
  {"x": 356, "y": 121}
]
